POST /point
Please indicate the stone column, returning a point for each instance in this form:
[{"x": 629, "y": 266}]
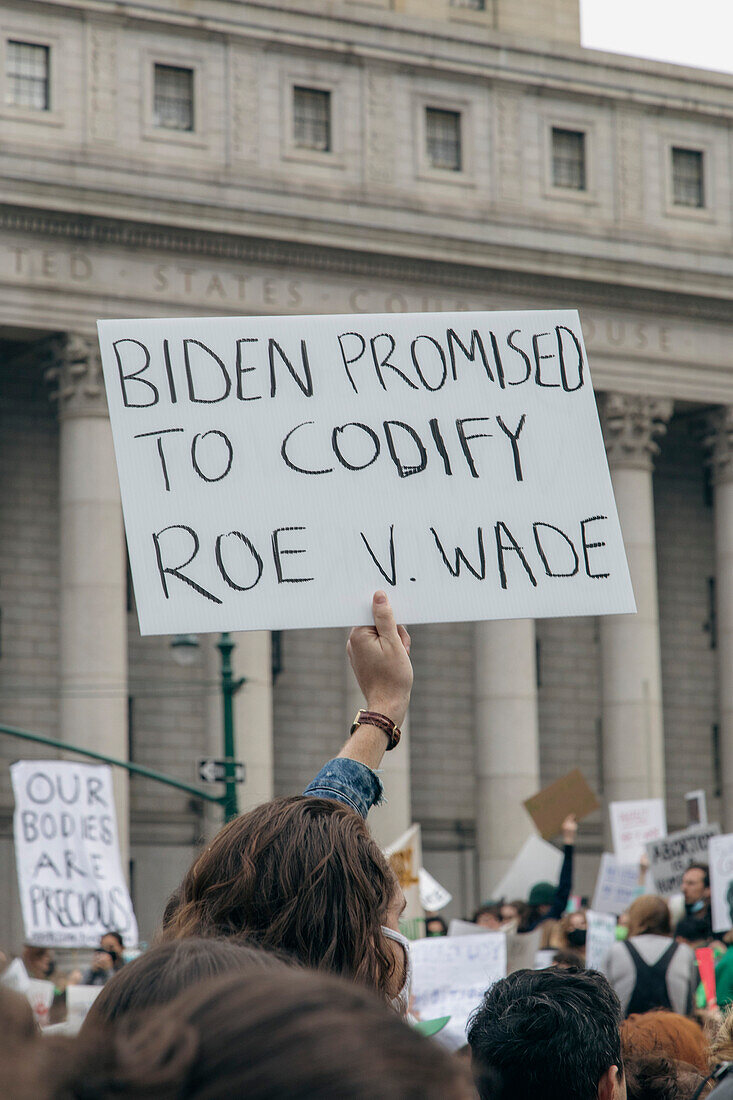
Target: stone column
[
  {"x": 720, "y": 445},
  {"x": 507, "y": 743},
  {"x": 633, "y": 733},
  {"x": 388, "y": 821},
  {"x": 93, "y": 604}
]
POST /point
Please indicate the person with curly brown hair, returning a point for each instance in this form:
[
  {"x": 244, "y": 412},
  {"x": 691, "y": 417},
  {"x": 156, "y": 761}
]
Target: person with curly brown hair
[{"x": 302, "y": 874}]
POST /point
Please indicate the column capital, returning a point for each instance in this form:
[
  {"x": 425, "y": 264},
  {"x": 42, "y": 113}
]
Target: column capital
[
  {"x": 717, "y": 436},
  {"x": 75, "y": 375},
  {"x": 631, "y": 423}
]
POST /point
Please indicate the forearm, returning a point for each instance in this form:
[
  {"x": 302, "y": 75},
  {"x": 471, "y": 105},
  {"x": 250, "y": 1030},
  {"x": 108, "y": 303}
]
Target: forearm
[{"x": 367, "y": 745}]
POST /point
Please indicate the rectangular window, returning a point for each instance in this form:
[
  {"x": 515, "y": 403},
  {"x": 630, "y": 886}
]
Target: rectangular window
[
  {"x": 568, "y": 159},
  {"x": 687, "y": 178},
  {"x": 443, "y": 133},
  {"x": 27, "y": 70},
  {"x": 312, "y": 119},
  {"x": 473, "y": 5},
  {"x": 173, "y": 98}
]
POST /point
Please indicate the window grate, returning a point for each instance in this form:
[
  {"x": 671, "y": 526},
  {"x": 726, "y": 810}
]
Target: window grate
[
  {"x": 173, "y": 98},
  {"x": 443, "y": 132},
  {"x": 687, "y": 178},
  {"x": 27, "y": 70},
  {"x": 568, "y": 159},
  {"x": 312, "y": 119},
  {"x": 472, "y": 5}
]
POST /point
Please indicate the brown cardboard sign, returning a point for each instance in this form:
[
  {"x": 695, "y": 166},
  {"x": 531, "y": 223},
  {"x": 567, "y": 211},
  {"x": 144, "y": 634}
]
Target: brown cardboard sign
[{"x": 569, "y": 795}]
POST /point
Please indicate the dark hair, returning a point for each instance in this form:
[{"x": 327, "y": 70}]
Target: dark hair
[
  {"x": 301, "y": 875},
  {"x": 700, "y": 867},
  {"x": 168, "y": 970},
  {"x": 437, "y": 920},
  {"x": 568, "y": 958},
  {"x": 115, "y": 935},
  {"x": 692, "y": 929},
  {"x": 296, "y": 1034},
  {"x": 551, "y": 1033},
  {"x": 491, "y": 907}
]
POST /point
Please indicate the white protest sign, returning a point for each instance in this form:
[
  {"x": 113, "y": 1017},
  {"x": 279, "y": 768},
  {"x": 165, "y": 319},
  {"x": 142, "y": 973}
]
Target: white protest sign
[
  {"x": 451, "y": 975},
  {"x": 457, "y": 927},
  {"x": 720, "y": 861},
  {"x": 616, "y": 886},
  {"x": 633, "y": 824},
  {"x": 670, "y": 856},
  {"x": 72, "y": 888},
  {"x": 600, "y": 938},
  {"x": 40, "y": 996},
  {"x": 433, "y": 896},
  {"x": 275, "y": 471},
  {"x": 15, "y": 977},
  {"x": 537, "y": 861}
]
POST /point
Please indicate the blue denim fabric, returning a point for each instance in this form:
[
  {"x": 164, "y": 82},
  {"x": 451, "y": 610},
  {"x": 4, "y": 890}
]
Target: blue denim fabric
[{"x": 347, "y": 781}]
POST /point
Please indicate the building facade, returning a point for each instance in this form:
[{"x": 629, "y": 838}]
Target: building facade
[{"x": 278, "y": 156}]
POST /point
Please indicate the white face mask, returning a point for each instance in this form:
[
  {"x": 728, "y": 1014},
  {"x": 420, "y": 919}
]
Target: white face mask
[{"x": 401, "y": 1003}]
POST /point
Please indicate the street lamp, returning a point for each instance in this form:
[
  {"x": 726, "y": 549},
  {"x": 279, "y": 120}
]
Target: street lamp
[{"x": 184, "y": 648}]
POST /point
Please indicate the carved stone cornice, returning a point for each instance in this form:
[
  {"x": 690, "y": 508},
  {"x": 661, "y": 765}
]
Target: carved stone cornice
[
  {"x": 717, "y": 438},
  {"x": 631, "y": 425},
  {"x": 75, "y": 375},
  {"x": 357, "y": 261}
]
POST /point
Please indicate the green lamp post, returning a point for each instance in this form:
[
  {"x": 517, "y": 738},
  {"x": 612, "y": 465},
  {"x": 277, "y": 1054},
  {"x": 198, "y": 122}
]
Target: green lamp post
[{"x": 184, "y": 648}]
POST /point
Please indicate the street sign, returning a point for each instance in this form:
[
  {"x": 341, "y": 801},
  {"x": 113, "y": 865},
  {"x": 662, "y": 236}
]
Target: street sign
[{"x": 215, "y": 771}]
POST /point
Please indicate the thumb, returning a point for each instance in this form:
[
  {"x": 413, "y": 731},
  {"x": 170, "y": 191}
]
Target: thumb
[{"x": 384, "y": 619}]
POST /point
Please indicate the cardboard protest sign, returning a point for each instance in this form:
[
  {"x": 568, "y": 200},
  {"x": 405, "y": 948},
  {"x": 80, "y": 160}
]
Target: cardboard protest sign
[
  {"x": 670, "y": 856},
  {"x": 521, "y": 949},
  {"x": 433, "y": 896},
  {"x": 451, "y": 975},
  {"x": 570, "y": 794},
  {"x": 537, "y": 861},
  {"x": 600, "y": 938},
  {"x": 405, "y": 859},
  {"x": 72, "y": 888},
  {"x": 616, "y": 886},
  {"x": 633, "y": 824},
  {"x": 275, "y": 471},
  {"x": 720, "y": 861}
]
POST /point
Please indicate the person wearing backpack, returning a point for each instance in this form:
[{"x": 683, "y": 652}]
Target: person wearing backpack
[{"x": 649, "y": 969}]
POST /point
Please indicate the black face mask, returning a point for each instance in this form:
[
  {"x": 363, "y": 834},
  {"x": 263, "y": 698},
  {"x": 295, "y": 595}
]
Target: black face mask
[{"x": 576, "y": 937}]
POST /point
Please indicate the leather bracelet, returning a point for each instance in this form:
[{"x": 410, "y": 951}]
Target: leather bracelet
[{"x": 382, "y": 722}]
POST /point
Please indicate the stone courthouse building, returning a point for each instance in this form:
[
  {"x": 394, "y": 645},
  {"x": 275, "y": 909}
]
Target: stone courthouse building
[{"x": 191, "y": 157}]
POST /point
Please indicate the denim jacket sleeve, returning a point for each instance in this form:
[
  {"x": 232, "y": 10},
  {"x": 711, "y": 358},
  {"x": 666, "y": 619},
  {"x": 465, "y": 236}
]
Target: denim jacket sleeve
[{"x": 347, "y": 781}]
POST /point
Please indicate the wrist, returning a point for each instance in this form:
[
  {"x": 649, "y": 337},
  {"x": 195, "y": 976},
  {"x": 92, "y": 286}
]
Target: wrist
[{"x": 391, "y": 707}]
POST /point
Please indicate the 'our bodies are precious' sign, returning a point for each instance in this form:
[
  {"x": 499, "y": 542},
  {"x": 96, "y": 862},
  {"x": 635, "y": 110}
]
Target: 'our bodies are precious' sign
[{"x": 276, "y": 470}]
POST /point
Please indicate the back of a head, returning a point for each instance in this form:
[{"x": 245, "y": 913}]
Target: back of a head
[
  {"x": 297, "y": 1034},
  {"x": 302, "y": 875},
  {"x": 657, "y": 1077},
  {"x": 664, "y": 1033},
  {"x": 545, "y": 1033},
  {"x": 649, "y": 914},
  {"x": 168, "y": 970}
]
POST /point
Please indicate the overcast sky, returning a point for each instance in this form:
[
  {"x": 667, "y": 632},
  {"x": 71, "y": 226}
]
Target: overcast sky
[{"x": 687, "y": 32}]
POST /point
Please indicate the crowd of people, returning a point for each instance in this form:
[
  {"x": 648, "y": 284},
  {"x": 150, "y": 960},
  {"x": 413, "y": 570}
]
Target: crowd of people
[{"x": 280, "y": 969}]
